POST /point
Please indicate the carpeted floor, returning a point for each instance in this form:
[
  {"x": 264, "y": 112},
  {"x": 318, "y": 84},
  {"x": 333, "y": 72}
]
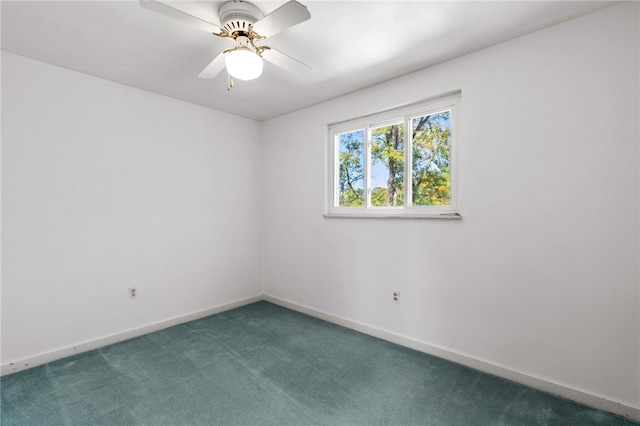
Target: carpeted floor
[{"x": 265, "y": 365}]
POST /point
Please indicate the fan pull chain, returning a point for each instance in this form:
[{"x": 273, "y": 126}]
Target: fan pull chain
[{"x": 229, "y": 82}]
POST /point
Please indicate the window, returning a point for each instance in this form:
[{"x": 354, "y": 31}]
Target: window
[{"x": 399, "y": 163}]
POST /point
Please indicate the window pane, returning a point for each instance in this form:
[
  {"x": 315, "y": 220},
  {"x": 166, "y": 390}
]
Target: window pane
[
  {"x": 351, "y": 168},
  {"x": 387, "y": 165},
  {"x": 431, "y": 168}
]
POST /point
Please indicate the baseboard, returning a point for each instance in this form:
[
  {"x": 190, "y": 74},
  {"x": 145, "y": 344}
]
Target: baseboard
[
  {"x": 34, "y": 361},
  {"x": 576, "y": 395}
]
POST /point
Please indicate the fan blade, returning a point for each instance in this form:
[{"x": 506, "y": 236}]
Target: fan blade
[
  {"x": 174, "y": 13},
  {"x": 285, "y": 62},
  {"x": 214, "y": 68},
  {"x": 286, "y": 16}
]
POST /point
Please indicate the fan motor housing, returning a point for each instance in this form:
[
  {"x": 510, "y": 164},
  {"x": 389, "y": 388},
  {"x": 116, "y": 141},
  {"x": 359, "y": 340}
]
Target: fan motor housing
[{"x": 238, "y": 16}]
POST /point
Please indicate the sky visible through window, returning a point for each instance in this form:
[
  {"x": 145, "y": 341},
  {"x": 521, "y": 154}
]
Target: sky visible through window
[{"x": 379, "y": 172}]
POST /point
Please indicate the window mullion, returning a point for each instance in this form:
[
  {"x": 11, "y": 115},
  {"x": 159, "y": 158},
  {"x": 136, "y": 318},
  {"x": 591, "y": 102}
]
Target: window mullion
[
  {"x": 408, "y": 151},
  {"x": 367, "y": 168}
]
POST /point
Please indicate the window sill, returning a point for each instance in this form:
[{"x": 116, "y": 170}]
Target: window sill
[{"x": 446, "y": 216}]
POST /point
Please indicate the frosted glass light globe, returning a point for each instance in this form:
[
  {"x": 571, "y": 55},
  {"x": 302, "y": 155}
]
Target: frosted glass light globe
[{"x": 243, "y": 64}]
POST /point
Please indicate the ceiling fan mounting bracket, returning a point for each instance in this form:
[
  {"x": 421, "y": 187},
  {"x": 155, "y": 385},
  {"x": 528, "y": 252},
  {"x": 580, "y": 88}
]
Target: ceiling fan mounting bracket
[{"x": 238, "y": 17}]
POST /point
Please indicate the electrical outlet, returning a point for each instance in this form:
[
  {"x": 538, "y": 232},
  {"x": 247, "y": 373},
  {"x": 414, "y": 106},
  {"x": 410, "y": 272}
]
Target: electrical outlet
[
  {"x": 133, "y": 293},
  {"x": 396, "y": 297}
]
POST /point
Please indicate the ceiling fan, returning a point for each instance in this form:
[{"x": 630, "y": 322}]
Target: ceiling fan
[{"x": 247, "y": 26}]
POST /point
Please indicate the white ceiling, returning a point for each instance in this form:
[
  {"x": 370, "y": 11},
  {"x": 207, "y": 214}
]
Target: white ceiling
[{"x": 350, "y": 45}]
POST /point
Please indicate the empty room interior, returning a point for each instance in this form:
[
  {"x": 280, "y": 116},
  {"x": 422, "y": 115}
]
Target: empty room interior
[{"x": 392, "y": 213}]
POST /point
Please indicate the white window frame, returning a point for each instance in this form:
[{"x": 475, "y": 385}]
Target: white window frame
[{"x": 398, "y": 115}]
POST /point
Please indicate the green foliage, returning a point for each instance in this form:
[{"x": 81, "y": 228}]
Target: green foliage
[
  {"x": 431, "y": 168},
  {"x": 379, "y": 197},
  {"x": 352, "y": 197},
  {"x": 387, "y": 147},
  {"x": 351, "y": 166}
]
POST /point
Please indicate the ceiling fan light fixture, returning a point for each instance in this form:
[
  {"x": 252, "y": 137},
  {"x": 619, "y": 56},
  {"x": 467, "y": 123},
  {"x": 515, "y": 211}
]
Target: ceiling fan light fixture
[{"x": 243, "y": 63}]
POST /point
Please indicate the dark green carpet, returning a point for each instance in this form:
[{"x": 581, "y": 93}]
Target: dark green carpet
[{"x": 262, "y": 364}]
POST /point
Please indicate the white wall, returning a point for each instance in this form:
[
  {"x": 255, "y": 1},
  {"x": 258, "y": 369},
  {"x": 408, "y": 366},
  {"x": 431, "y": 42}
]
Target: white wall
[
  {"x": 541, "y": 274},
  {"x": 106, "y": 187}
]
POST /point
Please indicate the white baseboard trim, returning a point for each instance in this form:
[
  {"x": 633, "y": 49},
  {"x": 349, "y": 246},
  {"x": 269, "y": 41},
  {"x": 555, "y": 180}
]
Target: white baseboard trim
[
  {"x": 564, "y": 391},
  {"x": 34, "y": 361}
]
